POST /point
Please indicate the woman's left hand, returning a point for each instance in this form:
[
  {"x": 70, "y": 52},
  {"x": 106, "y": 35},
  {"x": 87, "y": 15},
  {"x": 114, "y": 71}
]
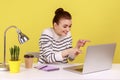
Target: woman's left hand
[{"x": 81, "y": 43}]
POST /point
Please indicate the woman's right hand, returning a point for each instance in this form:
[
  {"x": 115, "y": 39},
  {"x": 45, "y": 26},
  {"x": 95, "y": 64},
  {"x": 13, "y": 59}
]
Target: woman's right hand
[{"x": 71, "y": 51}]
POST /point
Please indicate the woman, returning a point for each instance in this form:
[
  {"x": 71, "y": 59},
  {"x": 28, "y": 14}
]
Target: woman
[{"x": 56, "y": 43}]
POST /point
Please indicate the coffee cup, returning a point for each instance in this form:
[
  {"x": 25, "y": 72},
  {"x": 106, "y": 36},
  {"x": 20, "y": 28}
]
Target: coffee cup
[{"x": 28, "y": 60}]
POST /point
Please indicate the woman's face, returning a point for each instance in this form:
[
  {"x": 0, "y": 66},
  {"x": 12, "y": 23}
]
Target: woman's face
[{"x": 63, "y": 27}]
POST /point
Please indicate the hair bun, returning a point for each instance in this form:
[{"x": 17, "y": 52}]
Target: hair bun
[{"x": 59, "y": 10}]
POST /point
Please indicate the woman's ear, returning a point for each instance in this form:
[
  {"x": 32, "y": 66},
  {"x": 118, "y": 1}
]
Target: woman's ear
[{"x": 55, "y": 25}]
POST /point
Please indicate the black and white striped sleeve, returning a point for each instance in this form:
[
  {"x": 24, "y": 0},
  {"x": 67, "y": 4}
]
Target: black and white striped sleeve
[{"x": 46, "y": 50}]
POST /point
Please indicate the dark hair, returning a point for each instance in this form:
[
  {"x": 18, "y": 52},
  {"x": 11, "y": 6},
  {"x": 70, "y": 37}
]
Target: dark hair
[{"x": 60, "y": 13}]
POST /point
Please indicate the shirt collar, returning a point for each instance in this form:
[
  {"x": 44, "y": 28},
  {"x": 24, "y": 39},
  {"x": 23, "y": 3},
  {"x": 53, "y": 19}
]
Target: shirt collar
[{"x": 56, "y": 36}]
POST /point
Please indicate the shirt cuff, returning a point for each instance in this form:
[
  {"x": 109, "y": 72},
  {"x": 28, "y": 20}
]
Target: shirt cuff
[{"x": 58, "y": 56}]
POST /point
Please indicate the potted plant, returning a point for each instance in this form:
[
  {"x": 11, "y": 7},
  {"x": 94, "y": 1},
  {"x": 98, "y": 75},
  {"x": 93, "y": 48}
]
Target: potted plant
[{"x": 14, "y": 62}]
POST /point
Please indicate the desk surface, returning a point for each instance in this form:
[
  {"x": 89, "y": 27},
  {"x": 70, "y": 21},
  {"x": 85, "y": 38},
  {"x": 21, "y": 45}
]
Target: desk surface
[{"x": 34, "y": 74}]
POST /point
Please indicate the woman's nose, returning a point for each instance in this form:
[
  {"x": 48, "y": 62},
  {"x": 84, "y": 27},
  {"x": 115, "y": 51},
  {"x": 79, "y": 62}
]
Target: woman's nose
[{"x": 68, "y": 29}]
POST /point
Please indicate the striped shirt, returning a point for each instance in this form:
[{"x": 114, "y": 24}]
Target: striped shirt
[{"x": 51, "y": 45}]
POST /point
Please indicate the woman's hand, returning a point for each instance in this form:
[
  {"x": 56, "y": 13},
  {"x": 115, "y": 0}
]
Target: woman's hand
[
  {"x": 81, "y": 43},
  {"x": 71, "y": 51},
  {"x": 72, "y": 56}
]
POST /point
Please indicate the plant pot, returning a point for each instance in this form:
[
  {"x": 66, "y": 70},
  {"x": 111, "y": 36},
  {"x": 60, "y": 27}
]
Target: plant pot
[{"x": 14, "y": 66}]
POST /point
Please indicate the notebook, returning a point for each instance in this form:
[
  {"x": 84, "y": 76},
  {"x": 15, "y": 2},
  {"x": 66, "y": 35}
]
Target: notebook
[
  {"x": 45, "y": 67},
  {"x": 98, "y": 58}
]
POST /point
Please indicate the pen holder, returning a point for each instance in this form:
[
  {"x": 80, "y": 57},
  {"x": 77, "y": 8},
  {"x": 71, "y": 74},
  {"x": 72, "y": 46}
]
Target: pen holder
[{"x": 28, "y": 60}]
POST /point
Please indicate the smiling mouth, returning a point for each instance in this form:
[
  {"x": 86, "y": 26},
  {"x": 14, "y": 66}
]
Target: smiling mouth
[{"x": 66, "y": 33}]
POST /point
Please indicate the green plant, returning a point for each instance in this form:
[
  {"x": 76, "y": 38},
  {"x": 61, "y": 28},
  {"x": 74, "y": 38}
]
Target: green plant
[{"x": 15, "y": 51}]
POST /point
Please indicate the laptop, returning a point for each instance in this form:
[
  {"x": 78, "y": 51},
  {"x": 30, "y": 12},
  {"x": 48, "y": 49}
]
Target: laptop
[{"x": 98, "y": 58}]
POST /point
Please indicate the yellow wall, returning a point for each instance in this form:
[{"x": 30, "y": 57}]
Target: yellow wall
[{"x": 96, "y": 20}]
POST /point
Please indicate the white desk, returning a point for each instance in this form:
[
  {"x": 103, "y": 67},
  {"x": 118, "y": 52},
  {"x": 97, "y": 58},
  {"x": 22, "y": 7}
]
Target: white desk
[{"x": 34, "y": 74}]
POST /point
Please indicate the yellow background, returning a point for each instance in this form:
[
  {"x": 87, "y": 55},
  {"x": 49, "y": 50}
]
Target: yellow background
[{"x": 95, "y": 20}]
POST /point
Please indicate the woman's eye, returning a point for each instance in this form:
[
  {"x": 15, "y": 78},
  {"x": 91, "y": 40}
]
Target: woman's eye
[
  {"x": 65, "y": 26},
  {"x": 69, "y": 26}
]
